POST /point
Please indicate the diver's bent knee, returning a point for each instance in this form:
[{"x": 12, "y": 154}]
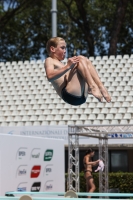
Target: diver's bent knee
[
  {"x": 81, "y": 57},
  {"x": 89, "y": 62},
  {"x": 82, "y": 61}
]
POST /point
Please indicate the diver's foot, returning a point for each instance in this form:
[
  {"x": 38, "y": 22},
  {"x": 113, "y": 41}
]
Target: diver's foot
[
  {"x": 105, "y": 94},
  {"x": 96, "y": 93}
]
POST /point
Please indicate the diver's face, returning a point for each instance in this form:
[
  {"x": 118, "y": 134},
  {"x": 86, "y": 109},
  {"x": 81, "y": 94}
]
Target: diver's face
[{"x": 60, "y": 50}]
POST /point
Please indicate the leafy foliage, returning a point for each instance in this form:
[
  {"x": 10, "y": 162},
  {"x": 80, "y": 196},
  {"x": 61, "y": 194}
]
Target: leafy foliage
[
  {"x": 26, "y": 33},
  {"x": 123, "y": 181},
  {"x": 89, "y": 27}
]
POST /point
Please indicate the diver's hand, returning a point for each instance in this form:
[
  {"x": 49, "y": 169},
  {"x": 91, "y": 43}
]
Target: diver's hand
[{"x": 72, "y": 62}]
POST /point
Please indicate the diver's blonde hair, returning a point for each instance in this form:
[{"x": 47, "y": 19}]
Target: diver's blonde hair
[{"x": 53, "y": 42}]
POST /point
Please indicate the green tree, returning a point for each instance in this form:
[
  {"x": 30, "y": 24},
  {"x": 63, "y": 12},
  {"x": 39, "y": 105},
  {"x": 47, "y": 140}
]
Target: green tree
[
  {"x": 106, "y": 26},
  {"x": 90, "y": 27},
  {"x": 26, "y": 32}
]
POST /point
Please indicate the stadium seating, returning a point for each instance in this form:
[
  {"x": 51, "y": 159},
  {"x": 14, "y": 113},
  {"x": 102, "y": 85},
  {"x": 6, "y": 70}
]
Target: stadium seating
[{"x": 28, "y": 99}]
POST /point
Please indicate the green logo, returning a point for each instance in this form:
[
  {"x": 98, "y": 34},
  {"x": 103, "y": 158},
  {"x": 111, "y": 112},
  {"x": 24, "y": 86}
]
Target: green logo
[{"x": 48, "y": 154}]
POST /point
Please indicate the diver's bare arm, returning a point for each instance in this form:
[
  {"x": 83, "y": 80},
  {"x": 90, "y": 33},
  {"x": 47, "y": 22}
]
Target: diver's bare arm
[{"x": 53, "y": 74}]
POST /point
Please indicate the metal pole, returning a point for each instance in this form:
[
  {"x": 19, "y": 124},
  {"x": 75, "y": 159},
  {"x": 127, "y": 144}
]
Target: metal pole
[
  {"x": 106, "y": 166},
  {"x": 54, "y": 18},
  {"x": 100, "y": 173},
  {"x": 69, "y": 160},
  {"x": 77, "y": 179}
]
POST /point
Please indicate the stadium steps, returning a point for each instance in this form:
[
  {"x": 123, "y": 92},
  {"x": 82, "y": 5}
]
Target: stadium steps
[{"x": 28, "y": 99}]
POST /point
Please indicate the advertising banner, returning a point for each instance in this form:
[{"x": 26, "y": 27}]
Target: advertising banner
[
  {"x": 55, "y": 132},
  {"x": 31, "y": 164},
  {"x": 61, "y": 132}
]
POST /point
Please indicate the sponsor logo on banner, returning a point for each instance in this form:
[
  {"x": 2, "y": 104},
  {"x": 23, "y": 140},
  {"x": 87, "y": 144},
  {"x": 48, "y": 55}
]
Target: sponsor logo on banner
[
  {"x": 22, "y": 187},
  {"x": 120, "y": 135},
  {"x": 22, "y": 170},
  {"x": 36, "y": 187},
  {"x": 48, "y": 186},
  {"x": 58, "y": 132},
  {"x": 48, "y": 154},
  {"x": 35, "y": 171},
  {"x": 48, "y": 169},
  {"x": 21, "y": 153},
  {"x": 10, "y": 133},
  {"x": 35, "y": 153}
]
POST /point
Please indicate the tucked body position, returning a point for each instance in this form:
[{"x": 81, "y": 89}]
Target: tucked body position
[
  {"x": 88, "y": 164},
  {"x": 75, "y": 80}
]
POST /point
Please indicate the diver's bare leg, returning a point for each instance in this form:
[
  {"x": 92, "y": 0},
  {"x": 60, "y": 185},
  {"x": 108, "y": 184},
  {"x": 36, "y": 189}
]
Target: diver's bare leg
[
  {"x": 85, "y": 73},
  {"x": 98, "y": 82}
]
